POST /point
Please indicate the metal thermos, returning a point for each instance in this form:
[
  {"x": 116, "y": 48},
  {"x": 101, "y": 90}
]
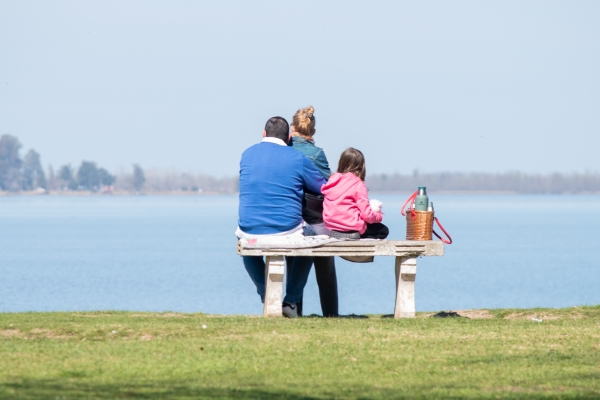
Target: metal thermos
[
  {"x": 421, "y": 201},
  {"x": 430, "y": 207}
]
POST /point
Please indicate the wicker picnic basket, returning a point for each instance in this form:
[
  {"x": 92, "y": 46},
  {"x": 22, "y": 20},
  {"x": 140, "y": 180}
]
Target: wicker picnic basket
[{"x": 419, "y": 225}]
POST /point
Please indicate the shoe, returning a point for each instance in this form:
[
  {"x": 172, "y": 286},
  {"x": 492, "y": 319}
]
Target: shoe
[
  {"x": 344, "y": 235},
  {"x": 289, "y": 310}
]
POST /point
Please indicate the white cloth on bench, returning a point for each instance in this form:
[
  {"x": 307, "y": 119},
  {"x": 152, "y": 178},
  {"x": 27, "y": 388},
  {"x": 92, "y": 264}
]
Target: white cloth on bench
[{"x": 286, "y": 242}]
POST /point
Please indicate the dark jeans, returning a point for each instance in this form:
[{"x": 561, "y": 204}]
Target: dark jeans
[
  {"x": 376, "y": 231},
  {"x": 296, "y": 277},
  {"x": 255, "y": 265},
  {"x": 327, "y": 281}
]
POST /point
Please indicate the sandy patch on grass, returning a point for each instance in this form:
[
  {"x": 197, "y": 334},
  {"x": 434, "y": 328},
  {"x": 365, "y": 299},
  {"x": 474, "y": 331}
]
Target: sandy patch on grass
[
  {"x": 46, "y": 334},
  {"x": 35, "y": 333},
  {"x": 95, "y": 315},
  {"x": 543, "y": 317},
  {"x": 10, "y": 332},
  {"x": 161, "y": 315},
  {"x": 576, "y": 316},
  {"x": 475, "y": 314}
]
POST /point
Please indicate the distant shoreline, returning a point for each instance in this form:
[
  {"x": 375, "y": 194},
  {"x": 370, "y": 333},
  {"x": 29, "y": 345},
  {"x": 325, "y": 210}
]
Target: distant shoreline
[{"x": 86, "y": 193}]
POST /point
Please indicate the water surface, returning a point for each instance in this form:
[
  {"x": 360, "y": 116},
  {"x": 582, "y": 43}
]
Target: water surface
[{"x": 153, "y": 253}]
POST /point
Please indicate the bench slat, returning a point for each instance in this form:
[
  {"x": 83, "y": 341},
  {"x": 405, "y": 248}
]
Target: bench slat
[{"x": 398, "y": 248}]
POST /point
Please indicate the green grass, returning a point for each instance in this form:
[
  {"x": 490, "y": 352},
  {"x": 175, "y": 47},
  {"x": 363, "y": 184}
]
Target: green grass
[{"x": 108, "y": 355}]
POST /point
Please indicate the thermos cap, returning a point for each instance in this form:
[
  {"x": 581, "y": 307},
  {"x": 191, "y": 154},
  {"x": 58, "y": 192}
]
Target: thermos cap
[{"x": 422, "y": 190}]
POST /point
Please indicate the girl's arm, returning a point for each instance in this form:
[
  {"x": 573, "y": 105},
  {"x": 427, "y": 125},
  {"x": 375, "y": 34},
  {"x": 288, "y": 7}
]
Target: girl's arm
[{"x": 362, "y": 202}]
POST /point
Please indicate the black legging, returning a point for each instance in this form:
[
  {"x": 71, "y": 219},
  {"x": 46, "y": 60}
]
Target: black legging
[
  {"x": 327, "y": 282},
  {"x": 376, "y": 231}
]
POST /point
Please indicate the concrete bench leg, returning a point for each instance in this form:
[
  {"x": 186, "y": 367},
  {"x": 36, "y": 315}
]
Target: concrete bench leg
[
  {"x": 406, "y": 271},
  {"x": 273, "y": 286}
]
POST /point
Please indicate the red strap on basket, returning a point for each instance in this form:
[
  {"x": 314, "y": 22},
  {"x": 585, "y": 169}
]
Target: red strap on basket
[
  {"x": 449, "y": 241},
  {"x": 411, "y": 198}
]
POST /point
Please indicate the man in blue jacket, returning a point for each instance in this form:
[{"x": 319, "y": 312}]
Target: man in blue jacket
[{"x": 273, "y": 178}]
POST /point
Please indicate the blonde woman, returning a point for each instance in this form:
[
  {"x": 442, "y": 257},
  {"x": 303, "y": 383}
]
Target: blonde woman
[{"x": 303, "y": 131}]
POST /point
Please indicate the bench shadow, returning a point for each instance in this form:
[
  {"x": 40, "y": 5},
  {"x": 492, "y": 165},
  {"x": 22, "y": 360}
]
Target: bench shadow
[
  {"x": 34, "y": 389},
  {"x": 441, "y": 314},
  {"x": 447, "y": 314},
  {"x": 38, "y": 389},
  {"x": 354, "y": 316},
  {"x": 351, "y": 316}
]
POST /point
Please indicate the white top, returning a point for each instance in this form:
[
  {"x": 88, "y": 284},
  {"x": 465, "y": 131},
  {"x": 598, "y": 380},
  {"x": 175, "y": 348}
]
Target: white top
[
  {"x": 274, "y": 140},
  {"x": 297, "y": 231}
]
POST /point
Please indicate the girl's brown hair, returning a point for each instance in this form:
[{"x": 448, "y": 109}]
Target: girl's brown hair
[
  {"x": 353, "y": 160},
  {"x": 304, "y": 121}
]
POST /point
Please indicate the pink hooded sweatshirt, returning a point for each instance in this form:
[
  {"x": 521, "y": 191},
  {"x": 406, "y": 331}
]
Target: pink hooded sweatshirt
[{"x": 346, "y": 206}]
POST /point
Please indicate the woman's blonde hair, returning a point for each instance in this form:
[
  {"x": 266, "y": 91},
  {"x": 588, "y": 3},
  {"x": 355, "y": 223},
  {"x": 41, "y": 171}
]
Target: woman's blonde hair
[
  {"x": 304, "y": 121},
  {"x": 353, "y": 160}
]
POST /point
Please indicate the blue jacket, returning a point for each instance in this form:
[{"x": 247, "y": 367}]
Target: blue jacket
[
  {"x": 272, "y": 183},
  {"x": 314, "y": 154}
]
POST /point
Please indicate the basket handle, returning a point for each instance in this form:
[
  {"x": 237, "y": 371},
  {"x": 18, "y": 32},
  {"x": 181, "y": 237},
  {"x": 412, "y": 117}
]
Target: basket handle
[
  {"x": 411, "y": 198},
  {"x": 449, "y": 241}
]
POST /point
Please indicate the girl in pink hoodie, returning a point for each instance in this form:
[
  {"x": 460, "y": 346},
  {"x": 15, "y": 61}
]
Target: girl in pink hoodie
[{"x": 346, "y": 208}]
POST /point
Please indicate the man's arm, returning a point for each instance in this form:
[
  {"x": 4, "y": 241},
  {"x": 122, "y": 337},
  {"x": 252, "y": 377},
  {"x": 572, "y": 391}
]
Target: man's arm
[{"x": 311, "y": 177}]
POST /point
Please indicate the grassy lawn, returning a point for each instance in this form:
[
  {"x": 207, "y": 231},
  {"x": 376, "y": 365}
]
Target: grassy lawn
[{"x": 108, "y": 355}]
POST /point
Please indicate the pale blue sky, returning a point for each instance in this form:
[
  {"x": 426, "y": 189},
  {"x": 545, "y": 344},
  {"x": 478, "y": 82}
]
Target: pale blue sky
[{"x": 437, "y": 86}]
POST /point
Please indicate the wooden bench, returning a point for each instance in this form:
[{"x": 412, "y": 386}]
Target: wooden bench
[{"x": 405, "y": 251}]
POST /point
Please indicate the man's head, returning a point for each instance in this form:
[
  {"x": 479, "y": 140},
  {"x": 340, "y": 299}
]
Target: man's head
[{"x": 277, "y": 127}]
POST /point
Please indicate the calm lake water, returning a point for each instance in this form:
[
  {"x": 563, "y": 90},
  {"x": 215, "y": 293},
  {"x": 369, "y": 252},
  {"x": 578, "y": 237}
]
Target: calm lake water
[{"x": 151, "y": 253}]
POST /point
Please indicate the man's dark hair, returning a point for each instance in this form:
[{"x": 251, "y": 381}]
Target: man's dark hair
[{"x": 278, "y": 127}]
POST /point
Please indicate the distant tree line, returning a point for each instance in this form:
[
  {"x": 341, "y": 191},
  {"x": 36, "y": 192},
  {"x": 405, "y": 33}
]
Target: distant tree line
[
  {"x": 87, "y": 177},
  {"x": 16, "y": 173},
  {"x": 176, "y": 181},
  {"x": 27, "y": 174},
  {"x": 515, "y": 182}
]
